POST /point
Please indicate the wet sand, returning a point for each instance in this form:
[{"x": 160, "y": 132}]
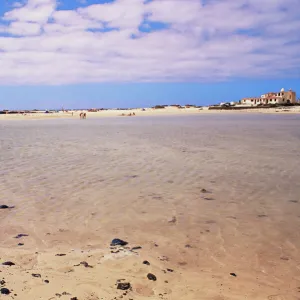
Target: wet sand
[{"x": 76, "y": 185}]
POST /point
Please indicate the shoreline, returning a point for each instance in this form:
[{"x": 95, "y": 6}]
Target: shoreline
[{"x": 168, "y": 111}]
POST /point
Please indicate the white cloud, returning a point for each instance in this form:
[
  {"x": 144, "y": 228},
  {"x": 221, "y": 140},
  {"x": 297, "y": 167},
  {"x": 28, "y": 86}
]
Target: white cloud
[{"x": 42, "y": 44}]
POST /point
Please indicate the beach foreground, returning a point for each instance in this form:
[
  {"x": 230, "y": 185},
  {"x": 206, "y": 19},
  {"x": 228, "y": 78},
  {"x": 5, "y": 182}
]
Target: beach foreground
[{"x": 209, "y": 205}]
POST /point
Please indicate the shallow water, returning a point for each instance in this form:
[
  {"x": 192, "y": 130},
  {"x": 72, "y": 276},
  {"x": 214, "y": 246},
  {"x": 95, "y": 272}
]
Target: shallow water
[{"x": 76, "y": 183}]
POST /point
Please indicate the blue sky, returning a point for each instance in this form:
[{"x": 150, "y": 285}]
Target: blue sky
[{"x": 129, "y": 53}]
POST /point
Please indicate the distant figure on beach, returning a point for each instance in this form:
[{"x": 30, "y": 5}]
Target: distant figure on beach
[
  {"x": 82, "y": 115},
  {"x": 128, "y": 115}
]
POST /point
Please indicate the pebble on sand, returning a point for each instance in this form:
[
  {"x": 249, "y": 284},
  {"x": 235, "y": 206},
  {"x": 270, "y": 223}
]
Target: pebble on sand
[
  {"x": 123, "y": 286},
  {"x": 5, "y": 291},
  {"x": 85, "y": 264},
  {"x": 36, "y": 275},
  {"x": 146, "y": 262},
  {"x": 151, "y": 277},
  {"x": 118, "y": 242},
  {"x": 233, "y": 274},
  {"x": 3, "y": 206},
  {"x": 136, "y": 248},
  {"x": 20, "y": 235},
  {"x": 8, "y": 263}
]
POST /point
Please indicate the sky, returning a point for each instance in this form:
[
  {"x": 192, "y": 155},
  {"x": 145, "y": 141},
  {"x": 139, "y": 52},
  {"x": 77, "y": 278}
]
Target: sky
[{"x": 138, "y": 53}]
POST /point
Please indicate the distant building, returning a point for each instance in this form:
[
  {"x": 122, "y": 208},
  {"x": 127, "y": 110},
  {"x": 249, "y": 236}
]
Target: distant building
[{"x": 281, "y": 97}]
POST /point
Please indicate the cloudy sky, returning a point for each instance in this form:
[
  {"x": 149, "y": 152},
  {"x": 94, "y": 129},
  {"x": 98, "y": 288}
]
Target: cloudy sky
[{"x": 138, "y": 52}]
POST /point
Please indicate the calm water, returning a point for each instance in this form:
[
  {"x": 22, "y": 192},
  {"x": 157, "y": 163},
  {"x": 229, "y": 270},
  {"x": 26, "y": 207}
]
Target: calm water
[{"x": 98, "y": 178}]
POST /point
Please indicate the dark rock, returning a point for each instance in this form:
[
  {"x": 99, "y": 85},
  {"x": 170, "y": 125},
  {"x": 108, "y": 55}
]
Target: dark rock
[
  {"x": 20, "y": 235},
  {"x": 2, "y": 282},
  {"x": 85, "y": 264},
  {"x": 233, "y": 274},
  {"x": 146, "y": 262},
  {"x": 151, "y": 277},
  {"x": 136, "y": 248},
  {"x": 60, "y": 254},
  {"x": 208, "y": 198},
  {"x": 65, "y": 294},
  {"x": 188, "y": 246},
  {"x": 36, "y": 275},
  {"x": 123, "y": 286},
  {"x": 203, "y": 191},
  {"x": 118, "y": 242},
  {"x": 5, "y": 291},
  {"x": 46, "y": 281},
  {"x": 4, "y": 206},
  {"x": 20, "y": 244},
  {"x": 170, "y": 270},
  {"x": 8, "y": 263},
  {"x": 74, "y": 298}
]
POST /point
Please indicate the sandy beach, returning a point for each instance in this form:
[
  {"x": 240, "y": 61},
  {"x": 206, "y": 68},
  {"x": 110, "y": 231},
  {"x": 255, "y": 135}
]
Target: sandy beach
[
  {"x": 209, "y": 205},
  {"x": 168, "y": 111}
]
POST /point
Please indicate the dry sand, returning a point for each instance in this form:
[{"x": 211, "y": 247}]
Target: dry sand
[
  {"x": 168, "y": 111},
  {"x": 77, "y": 185}
]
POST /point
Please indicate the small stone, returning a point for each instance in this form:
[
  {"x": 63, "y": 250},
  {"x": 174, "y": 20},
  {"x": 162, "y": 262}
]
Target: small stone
[
  {"x": 85, "y": 264},
  {"x": 8, "y": 263},
  {"x": 74, "y": 298},
  {"x": 233, "y": 274},
  {"x": 170, "y": 270},
  {"x": 46, "y": 281},
  {"x": 60, "y": 254},
  {"x": 4, "y": 206},
  {"x": 188, "y": 246},
  {"x": 123, "y": 286},
  {"x": 151, "y": 277},
  {"x": 20, "y": 235},
  {"x": 203, "y": 191},
  {"x": 65, "y": 293},
  {"x": 146, "y": 262},
  {"x": 2, "y": 282},
  {"x": 36, "y": 275},
  {"x": 20, "y": 244},
  {"x": 5, "y": 291},
  {"x": 136, "y": 248},
  {"x": 118, "y": 242}
]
